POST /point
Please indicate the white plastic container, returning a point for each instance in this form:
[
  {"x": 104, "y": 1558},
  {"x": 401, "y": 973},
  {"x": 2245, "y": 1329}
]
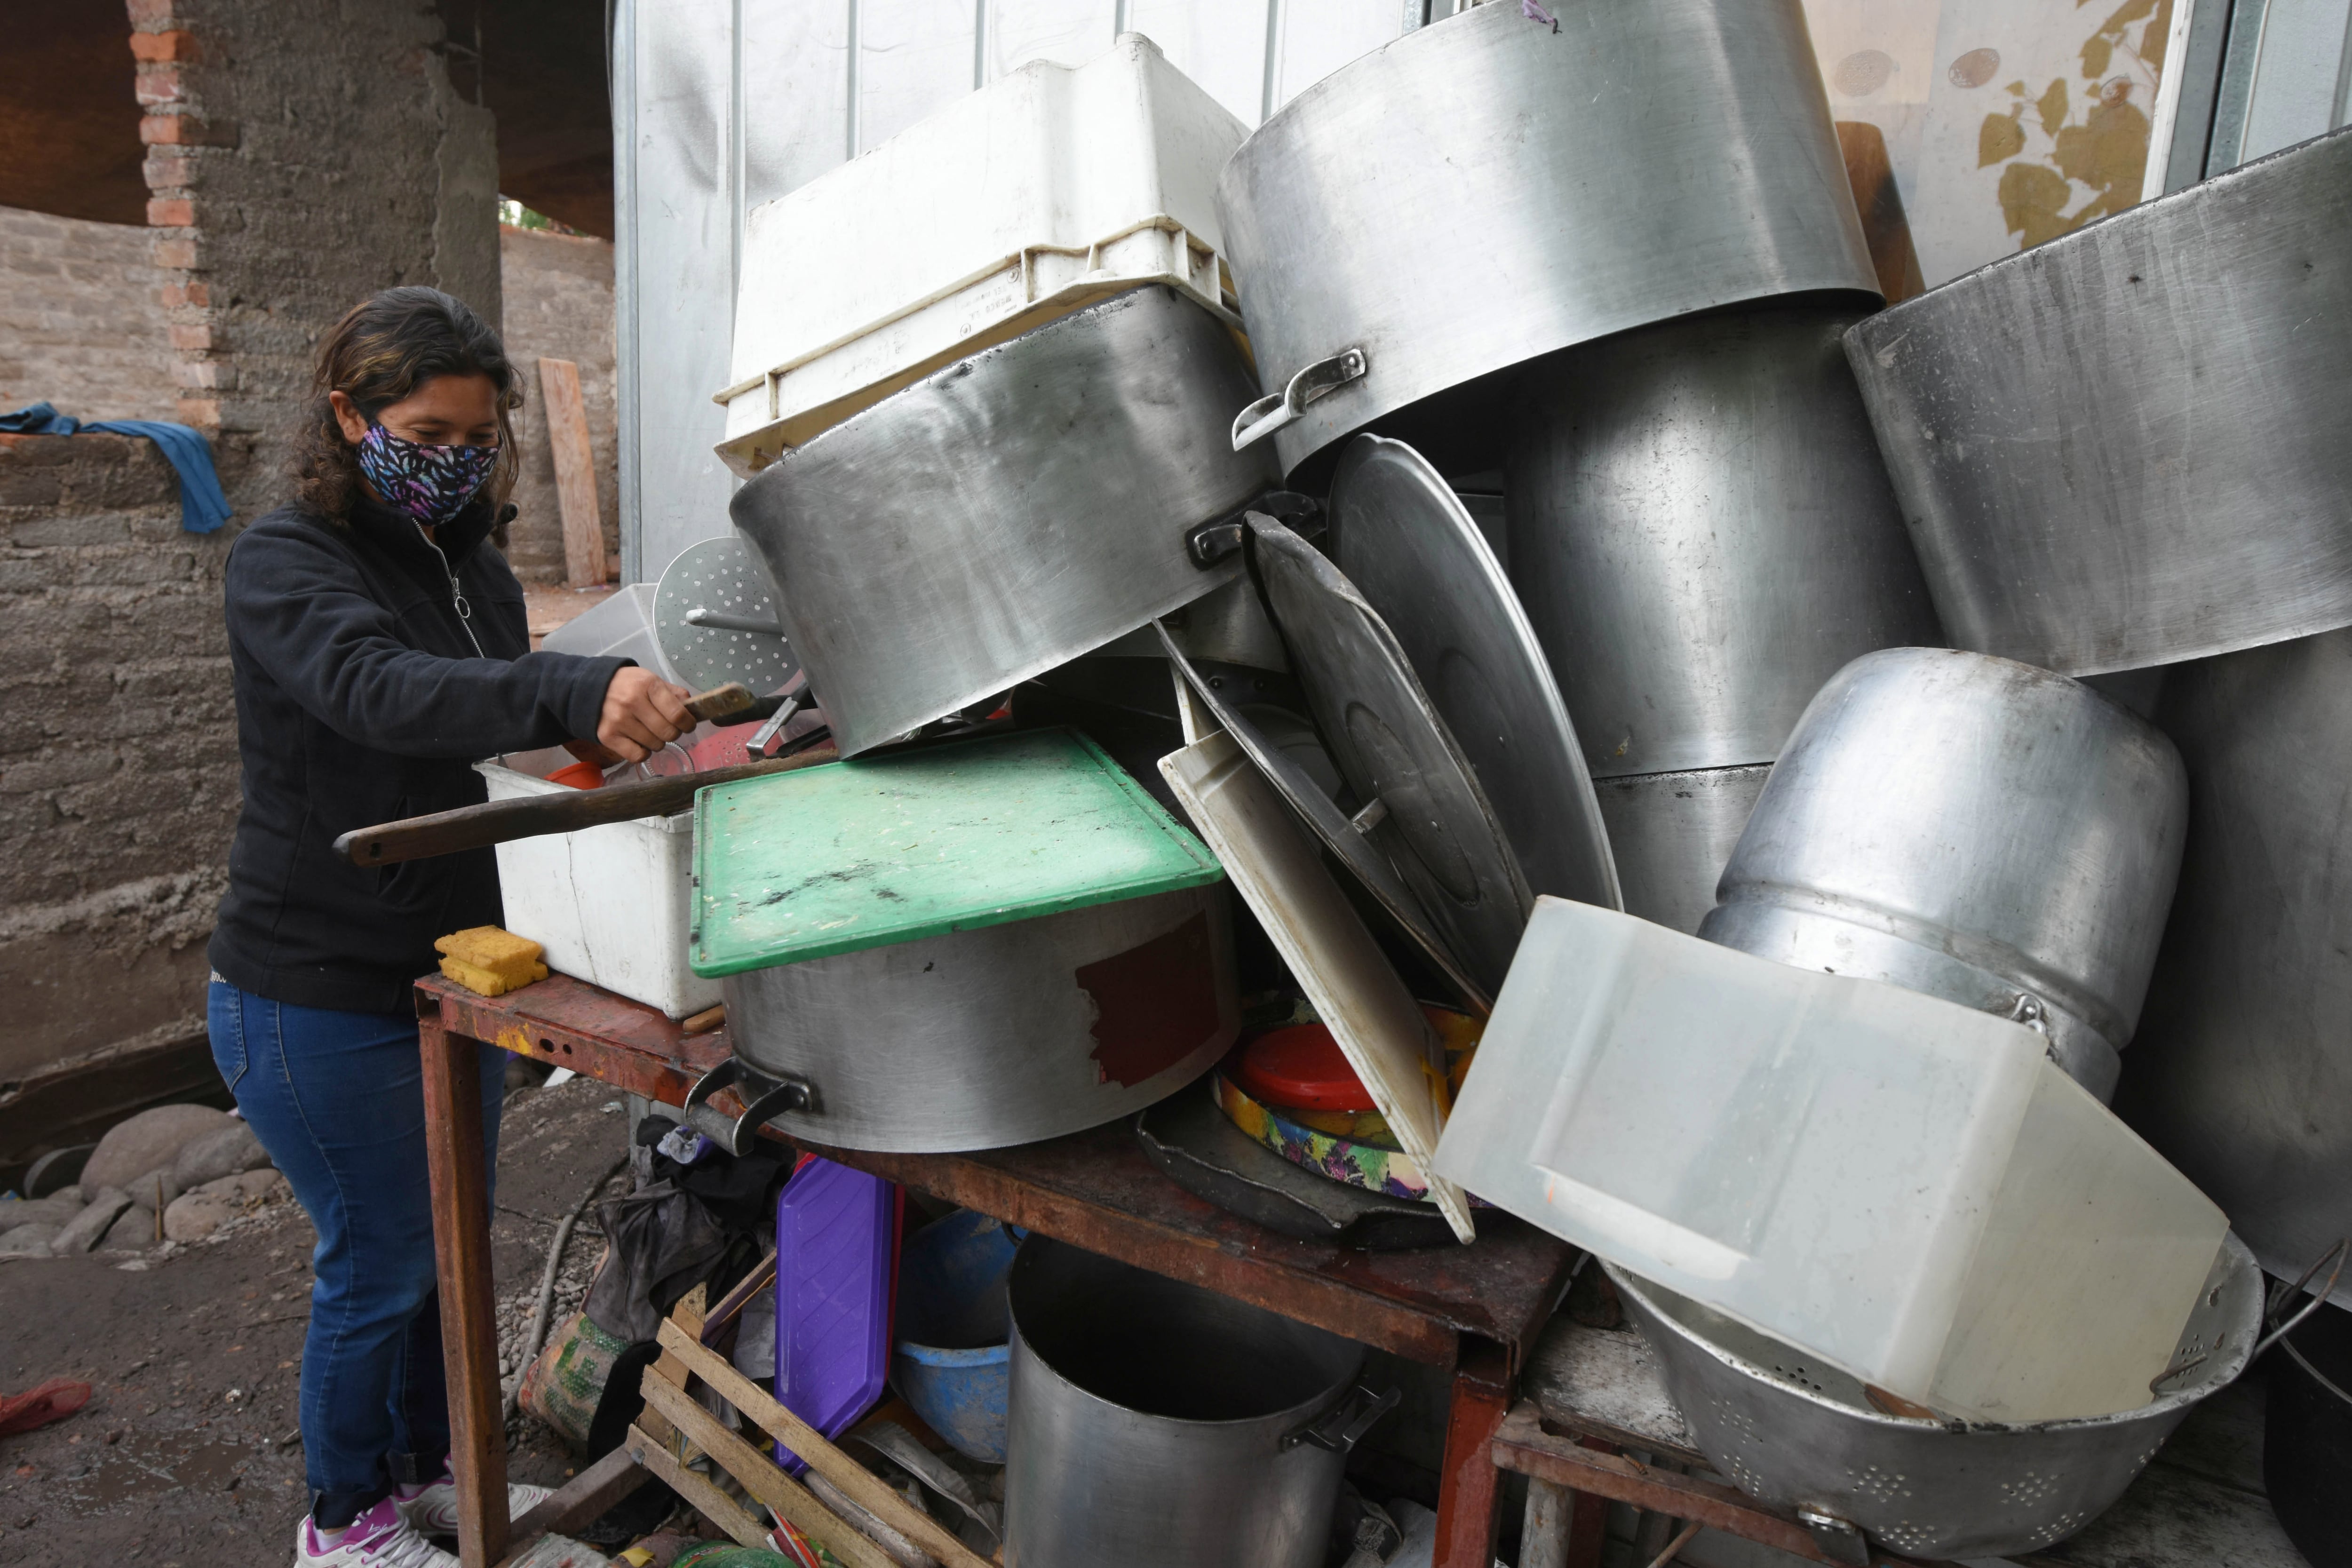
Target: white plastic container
[
  {"x": 1907, "y": 1188},
  {"x": 1038, "y": 194},
  {"x": 622, "y": 626},
  {"x": 612, "y": 905}
]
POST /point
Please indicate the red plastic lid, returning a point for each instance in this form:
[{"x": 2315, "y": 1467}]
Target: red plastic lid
[
  {"x": 1300, "y": 1068},
  {"x": 579, "y": 775}
]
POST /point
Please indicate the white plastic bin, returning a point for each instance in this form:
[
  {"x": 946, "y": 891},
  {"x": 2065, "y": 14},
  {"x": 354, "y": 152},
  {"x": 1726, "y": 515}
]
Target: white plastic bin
[
  {"x": 622, "y": 625},
  {"x": 1038, "y": 194},
  {"x": 611, "y": 905},
  {"x": 1909, "y": 1189}
]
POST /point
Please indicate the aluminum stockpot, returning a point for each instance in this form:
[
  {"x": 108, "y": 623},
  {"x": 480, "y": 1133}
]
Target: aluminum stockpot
[
  {"x": 2242, "y": 1075},
  {"x": 1702, "y": 533},
  {"x": 1673, "y": 834},
  {"x": 1635, "y": 164},
  {"x": 1795, "y": 1433},
  {"x": 2126, "y": 447},
  {"x": 1976, "y": 829},
  {"x": 1158, "y": 1424},
  {"x": 1007, "y": 514},
  {"x": 1007, "y": 1034}
]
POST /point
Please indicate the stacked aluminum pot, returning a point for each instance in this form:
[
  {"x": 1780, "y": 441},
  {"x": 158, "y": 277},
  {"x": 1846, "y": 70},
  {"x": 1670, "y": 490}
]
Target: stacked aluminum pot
[
  {"x": 1976, "y": 829},
  {"x": 2125, "y": 449},
  {"x": 1632, "y": 290}
]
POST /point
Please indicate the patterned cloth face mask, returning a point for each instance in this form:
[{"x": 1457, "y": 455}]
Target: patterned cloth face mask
[{"x": 430, "y": 484}]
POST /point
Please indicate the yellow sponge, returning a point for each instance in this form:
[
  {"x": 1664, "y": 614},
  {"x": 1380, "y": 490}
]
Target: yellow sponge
[{"x": 491, "y": 960}]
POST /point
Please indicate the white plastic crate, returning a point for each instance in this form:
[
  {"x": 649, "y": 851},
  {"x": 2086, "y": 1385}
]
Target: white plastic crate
[
  {"x": 1907, "y": 1188},
  {"x": 612, "y": 905},
  {"x": 1050, "y": 189}
]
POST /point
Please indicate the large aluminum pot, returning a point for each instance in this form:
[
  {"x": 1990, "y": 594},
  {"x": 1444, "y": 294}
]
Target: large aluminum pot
[
  {"x": 1975, "y": 829},
  {"x": 1158, "y": 1424},
  {"x": 1702, "y": 533},
  {"x": 1673, "y": 833},
  {"x": 977, "y": 1039},
  {"x": 1017, "y": 510},
  {"x": 2126, "y": 447},
  {"x": 2242, "y": 1072},
  {"x": 1490, "y": 188},
  {"x": 1796, "y": 1433}
]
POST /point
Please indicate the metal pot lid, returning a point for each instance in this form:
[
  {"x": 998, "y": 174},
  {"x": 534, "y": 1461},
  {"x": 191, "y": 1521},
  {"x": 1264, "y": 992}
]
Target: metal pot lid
[
  {"x": 2126, "y": 447},
  {"x": 1410, "y": 548},
  {"x": 1305, "y": 796},
  {"x": 717, "y": 620},
  {"x": 1491, "y": 188},
  {"x": 1423, "y": 806}
]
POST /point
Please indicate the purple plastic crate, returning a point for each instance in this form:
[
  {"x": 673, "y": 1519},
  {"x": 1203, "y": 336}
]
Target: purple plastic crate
[{"x": 836, "y": 1242}]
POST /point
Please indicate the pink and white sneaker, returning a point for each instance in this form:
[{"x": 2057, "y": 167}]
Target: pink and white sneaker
[
  {"x": 380, "y": 1538},
  {"x": 434, "y": 1509}
]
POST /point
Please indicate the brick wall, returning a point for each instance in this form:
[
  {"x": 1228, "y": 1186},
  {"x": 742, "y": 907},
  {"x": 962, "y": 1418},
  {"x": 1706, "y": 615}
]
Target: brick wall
[
  {"x": 559, "y": 303},
  {"x": 81, "y": 319},
  {"x": 118, "y": 755}
]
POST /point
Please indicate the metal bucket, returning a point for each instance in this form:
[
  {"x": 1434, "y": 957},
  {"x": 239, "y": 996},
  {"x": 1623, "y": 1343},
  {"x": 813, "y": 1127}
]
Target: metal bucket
[
  {"x": 2126, "y": 447},
  {"x": 978, "y": 1039},
  {"x": 1975, "y": 829},
  {"x": 1701, "y": 533},
  {"x": 2242, "y": 1075},
  {"x": 1017, "y": 510},
  {"x": 1158, "y": 1424},
  {"x": 1489, "y": 188},
  {"x": 1801, "y": 1435},
  {"x": 1672, "y": 835}
]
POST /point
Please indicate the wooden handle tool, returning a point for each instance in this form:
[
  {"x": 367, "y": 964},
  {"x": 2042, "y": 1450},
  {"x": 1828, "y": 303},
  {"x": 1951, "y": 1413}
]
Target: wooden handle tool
[
  {"x": 503, "y": 821},
  {"x": 721, "y": 701}
]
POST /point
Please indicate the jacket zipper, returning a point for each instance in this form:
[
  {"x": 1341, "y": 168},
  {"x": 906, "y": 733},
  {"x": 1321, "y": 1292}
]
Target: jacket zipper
[{"x": 457, "y": 594}]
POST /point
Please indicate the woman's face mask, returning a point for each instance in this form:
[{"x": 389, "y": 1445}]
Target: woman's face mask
[{"x": 430, "y": 484}]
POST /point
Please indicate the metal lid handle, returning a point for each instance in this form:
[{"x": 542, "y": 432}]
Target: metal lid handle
[
  {"x": 1343, "y": 1425},
  {"x": 1271, "y": 413}
]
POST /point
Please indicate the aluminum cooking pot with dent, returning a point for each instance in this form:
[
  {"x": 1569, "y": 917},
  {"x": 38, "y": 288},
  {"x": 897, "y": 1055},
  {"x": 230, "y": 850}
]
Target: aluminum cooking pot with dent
[
  {"x": 1632, "y": 164},
  {"x": 1003, "y": 517},
  {"x": 1156, "y": 1425},
  {"x": 1976, "y": 829},
  {"x": 2126, "y": 447}
]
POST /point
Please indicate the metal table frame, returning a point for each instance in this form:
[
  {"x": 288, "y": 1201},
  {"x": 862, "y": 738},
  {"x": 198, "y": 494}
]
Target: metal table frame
[{"x": 1473, "y": 1312}]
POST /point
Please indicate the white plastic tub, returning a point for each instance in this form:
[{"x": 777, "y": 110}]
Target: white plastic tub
[
  {"x": 611, "y": 905},
  {"x": 1038, "y": 194},
  {"x": 1907, "y": 1188}
]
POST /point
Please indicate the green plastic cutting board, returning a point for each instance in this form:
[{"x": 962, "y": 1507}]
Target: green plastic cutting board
[{"x": 874, "y": 851}]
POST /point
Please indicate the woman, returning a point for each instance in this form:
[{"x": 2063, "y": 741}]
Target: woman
[{"x": 379, "y": 646}]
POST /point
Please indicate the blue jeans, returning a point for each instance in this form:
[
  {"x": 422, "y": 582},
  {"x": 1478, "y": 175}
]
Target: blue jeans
[{"x": 338, "y": 1099}]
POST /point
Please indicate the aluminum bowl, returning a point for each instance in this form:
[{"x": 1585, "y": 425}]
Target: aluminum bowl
[{"x": 1795, "y": 1433}]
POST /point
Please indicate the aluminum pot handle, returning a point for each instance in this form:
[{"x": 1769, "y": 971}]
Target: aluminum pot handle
[
  {"x": 1343, "y": 1425},
  {"x": 1271, "y": 413},
  {"x": 764, "y": 1099}
]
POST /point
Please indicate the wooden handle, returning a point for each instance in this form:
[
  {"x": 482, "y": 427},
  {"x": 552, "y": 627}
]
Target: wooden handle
[
  {"x": 503, "y": 821},
  {"x": 720, "y": 702}
]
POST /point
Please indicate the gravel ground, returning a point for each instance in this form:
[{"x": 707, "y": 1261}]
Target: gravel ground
[{"x": 187, "y": 1453}]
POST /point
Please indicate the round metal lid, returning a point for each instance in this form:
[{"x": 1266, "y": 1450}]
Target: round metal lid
[
  {"x": 717, "y": 620},
  {"x": 1423, "y": 805},
  {"x": 1410, "y": 548}
]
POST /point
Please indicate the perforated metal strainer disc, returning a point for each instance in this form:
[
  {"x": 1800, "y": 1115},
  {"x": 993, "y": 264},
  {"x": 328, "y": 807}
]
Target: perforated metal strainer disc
[{"x": 718, "y": 579}]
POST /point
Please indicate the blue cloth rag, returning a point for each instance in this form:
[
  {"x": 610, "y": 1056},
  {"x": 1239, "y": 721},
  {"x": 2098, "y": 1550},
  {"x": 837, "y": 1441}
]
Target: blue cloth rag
[{"x": 203, "y": 507}]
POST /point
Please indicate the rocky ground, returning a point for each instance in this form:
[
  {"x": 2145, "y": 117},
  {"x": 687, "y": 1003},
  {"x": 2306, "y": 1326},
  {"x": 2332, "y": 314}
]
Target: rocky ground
[{"x": 187, "y": 1453}]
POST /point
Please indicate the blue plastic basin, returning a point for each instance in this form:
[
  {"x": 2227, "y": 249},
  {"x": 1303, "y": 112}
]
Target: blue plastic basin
[{"x": 952, "y": 1361}]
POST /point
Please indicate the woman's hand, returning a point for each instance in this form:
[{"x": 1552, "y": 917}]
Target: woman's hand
[{"x": 642, "y": 712}]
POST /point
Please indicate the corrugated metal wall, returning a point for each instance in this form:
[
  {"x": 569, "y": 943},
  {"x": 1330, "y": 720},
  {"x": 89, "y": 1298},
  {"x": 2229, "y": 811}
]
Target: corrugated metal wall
[{"x": 728, "y": 103}]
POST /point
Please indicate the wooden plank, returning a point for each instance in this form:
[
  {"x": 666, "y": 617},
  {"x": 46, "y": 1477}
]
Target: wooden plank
[
  {"x": 575, "y": 472},
  {"x": 730, "y": 1306},
  {"x": 690, "y": 1316},
  {"x": 1605, "y": 1383},
  {"x": 580, "y": 1500},
  {"x": 1468, "y": 1489},
  {"x": 862, "y": 1486},
  {"x": 469, "y": 1329},
  {"x": 1522, "y": 1445},
  {"x": 760, "y": 1478},
  {"x": 706, "y": 1499}
]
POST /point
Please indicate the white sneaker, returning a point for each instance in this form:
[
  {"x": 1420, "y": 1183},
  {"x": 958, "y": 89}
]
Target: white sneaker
[
  {"x": 380, "y": 1538},
  {"x": 434, "y": 1509}
]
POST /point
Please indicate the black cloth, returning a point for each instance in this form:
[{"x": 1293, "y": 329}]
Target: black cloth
[{"x": 362, "y": 697}]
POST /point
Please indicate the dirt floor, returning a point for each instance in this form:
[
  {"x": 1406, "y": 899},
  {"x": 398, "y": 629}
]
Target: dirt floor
[{"x": 187, "y": 1453}]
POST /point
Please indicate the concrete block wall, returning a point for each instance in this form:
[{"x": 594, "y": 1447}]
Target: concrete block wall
[
  {"x": 118, "y": 750},
  {"x": 559, "y": 304}
]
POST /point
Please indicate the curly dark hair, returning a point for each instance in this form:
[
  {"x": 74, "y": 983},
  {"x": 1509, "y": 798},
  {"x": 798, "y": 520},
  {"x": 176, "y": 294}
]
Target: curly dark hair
[{"x": 383, "y": 349}]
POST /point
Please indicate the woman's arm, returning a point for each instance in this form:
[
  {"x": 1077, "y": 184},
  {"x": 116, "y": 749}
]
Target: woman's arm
[{"x": 294, "y": 607}]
